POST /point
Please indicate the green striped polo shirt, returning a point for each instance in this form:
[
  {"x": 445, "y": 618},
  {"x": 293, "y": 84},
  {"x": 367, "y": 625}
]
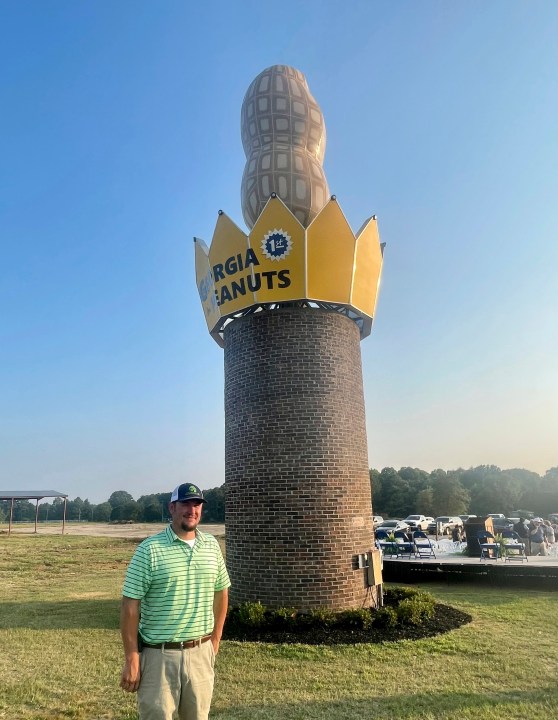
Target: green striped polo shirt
[{"x": 176, "y": 585}]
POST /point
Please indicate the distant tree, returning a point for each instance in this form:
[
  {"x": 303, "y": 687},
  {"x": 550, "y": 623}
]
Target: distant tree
[
  {"x": 525, "y": 478},
  {"x": 152, "y": 512},
  {"x": 550, "y": 479},
  {"x": 509, "y": 492},
  {"x": 395, "y": 498},
  {"x": 380, "y": 490},
  {"x": 102, "y": 512},
  {"x": 57, "y": 509},
  {"x": 127, "y": 511},
  {"x": 449, "y": 497},
  {"x": 150, "y": 509},
  {"x": 544, "y": 499},
  {"x": 214, "y": 508},
  {"x": 425, "y": 502},
  {"x": 87, "y": 510},
  {"x": 164, "y": 499},
  {"x": 494, "y": 491},
  {"x": 417, "y": 479},
  {"x": 120, "y": 497},
  {"x": 375, "y": 488},
  {"x": 44, "y": 510},
  {"x": 478, "y": 475},
  {"x": 74, "y": 509},
  {"x": 23, "y": 511}
]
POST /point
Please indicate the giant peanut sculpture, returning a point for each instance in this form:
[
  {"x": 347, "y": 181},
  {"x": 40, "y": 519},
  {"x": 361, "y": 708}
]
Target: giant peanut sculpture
[{"x": 284, "y": 138}]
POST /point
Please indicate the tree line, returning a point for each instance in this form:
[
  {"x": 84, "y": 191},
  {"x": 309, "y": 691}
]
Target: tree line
[
  {"x": 120, "y": 507},
  {"x": 395, "y": 493},
  {"x": 476, "y": 491}
]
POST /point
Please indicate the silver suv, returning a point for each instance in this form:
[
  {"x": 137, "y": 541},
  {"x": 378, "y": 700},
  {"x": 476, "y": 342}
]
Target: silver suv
[{"x": 445, "y": 524}]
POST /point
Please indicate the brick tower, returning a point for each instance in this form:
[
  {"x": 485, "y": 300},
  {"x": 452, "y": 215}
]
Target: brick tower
[{"x": 290, "y": 302}]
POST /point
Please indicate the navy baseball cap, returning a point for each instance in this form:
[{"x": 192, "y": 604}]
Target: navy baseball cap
[{"x": 187, "y": 491}]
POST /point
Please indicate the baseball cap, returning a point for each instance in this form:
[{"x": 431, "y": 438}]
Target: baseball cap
[{"x": 187, "y": 491}]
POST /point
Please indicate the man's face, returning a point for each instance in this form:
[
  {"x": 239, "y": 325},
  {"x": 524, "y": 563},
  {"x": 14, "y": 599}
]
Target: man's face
[{"x": 185, "y": 515}]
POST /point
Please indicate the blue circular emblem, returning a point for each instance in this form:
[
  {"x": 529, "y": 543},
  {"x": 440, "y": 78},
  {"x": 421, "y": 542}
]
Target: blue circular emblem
[{"x": 276, "y": 244}]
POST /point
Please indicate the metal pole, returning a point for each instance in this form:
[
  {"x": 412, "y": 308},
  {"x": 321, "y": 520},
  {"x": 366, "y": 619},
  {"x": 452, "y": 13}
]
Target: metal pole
[
  {"x": 36, "y": 512},
  {"x": 64, "y": 517},
  {"x": 11, "y": 516}
]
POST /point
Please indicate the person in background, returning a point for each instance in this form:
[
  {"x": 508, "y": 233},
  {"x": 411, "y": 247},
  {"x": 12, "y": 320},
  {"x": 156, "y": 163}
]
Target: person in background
[
  {"x": 457, "y": 534},
  {"x": 537, "y": 537},
  {"x": 174, "y": 606},
  {"x": 522, "y": 529},
  {"x": 549, "y": 536}
]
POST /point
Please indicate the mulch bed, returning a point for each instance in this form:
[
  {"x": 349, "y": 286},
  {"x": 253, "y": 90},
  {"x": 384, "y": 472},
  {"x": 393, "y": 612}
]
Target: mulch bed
[{"x": 445, "y": 618}]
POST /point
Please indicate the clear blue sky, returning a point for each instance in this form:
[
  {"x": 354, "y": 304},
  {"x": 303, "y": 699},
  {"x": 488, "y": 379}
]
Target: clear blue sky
[{"x": 120, "y": 141}]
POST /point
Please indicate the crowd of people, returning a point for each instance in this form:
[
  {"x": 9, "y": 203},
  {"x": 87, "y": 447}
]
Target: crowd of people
[{"x": 540, "y": 535}]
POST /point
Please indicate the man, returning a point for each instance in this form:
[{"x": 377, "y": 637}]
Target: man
[
  {"x": 174, "y": 606},
  {"x": 536, "y": 537},
  {"x": 521, "y": 527}
]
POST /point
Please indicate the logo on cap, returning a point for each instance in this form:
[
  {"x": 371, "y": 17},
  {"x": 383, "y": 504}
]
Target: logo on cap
[{"x": 186, "y": 492}]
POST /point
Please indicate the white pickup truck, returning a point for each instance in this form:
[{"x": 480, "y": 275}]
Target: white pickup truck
[{"x": 417, "y": 522}]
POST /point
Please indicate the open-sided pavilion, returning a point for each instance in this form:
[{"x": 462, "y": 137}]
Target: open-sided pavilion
[{"x": 36, "y": 495}]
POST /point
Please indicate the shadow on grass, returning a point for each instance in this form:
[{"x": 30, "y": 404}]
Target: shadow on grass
[
  {"x": 61, "y": 615},
  {"x": 510, "y": 704}
]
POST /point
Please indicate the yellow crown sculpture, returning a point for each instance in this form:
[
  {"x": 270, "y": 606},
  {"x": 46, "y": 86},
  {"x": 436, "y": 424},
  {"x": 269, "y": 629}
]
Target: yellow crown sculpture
[{"x": 281, "y": 262}]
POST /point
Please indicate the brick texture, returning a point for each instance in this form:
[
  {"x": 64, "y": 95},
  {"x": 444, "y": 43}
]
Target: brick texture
[{"x": 298, "y": 507}]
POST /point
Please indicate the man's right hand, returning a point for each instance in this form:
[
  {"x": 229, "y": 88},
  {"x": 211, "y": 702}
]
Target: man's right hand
[{"x": 130, "y": 678}]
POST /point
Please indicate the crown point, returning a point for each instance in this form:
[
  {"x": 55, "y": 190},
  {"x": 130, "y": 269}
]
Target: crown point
[
  {"x": 220, "y": 212},
  {"x": 273, "y": 195},
  {"x": 334, "y": 197}
]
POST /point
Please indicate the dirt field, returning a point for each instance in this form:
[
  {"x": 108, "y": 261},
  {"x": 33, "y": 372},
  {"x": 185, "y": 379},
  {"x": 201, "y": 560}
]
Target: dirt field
[{"x": 134, "y": 530}]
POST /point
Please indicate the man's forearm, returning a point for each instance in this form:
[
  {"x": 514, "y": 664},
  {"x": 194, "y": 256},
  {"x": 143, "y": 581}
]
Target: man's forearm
[
  {"x": 129, "y": 624},
  {"x": 220, "y": 605}
]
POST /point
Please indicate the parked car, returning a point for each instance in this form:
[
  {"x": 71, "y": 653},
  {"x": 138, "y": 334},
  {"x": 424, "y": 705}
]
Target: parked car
[
  {"x": 502, "y": 523},
  {"x": 377, "y": 520},
  {"x": 495, "y": 516},
  {"x": 467, "y": 517},
  {"x": 390, "y": 526},
  {"x": 445, "y": 523},
  {"x": 416, "y": 522}
]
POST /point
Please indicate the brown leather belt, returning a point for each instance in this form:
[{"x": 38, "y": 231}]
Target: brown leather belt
[{"x": 178, "y": 645}]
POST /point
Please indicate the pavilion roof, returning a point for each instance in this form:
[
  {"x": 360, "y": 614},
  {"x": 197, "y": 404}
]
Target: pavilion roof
[{"x": 30, "y": 494}]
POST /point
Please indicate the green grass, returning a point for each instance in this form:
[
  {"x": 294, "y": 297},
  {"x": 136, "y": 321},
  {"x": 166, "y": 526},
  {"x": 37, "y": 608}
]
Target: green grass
[{"x": 60, "y": 652}]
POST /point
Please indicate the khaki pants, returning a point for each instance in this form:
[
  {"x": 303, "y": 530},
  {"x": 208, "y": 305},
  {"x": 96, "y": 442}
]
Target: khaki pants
[
  {"x": 538, "y": 548},
  {"x": 176, "y": 684}
]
